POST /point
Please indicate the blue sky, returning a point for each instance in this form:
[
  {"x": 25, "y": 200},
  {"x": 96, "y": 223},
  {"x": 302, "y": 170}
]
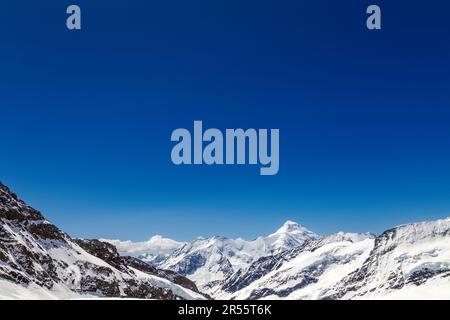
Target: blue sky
[{"x": 363, "y": 116}]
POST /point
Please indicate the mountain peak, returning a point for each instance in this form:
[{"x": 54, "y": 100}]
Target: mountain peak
[
  {"x": 291, "y": 227},
  {"x": 290, "y": 235}
]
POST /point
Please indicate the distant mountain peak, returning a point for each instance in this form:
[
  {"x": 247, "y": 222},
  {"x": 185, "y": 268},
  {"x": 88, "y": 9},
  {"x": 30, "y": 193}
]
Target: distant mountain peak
[
  {"x": 154, "y": 250},
  {"x": 290, "y": 226},
  {"x": 294, "y": 229}
]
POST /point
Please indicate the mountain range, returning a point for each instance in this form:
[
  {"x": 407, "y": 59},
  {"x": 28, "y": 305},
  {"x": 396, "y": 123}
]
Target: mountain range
[
  {"x": 406, "y": 262},
  {"x": 39, "y": 261}
]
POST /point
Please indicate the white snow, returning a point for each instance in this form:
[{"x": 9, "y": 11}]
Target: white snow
[
  {"x": 337, "y": 259},
  {"x": 164, "y": 283},
  {"x": 152, "y": 250},
  {"x": 408, "y": 262},
  {"x": 224, "y": 256},
  {"x": 12, "y": 291},
  {"x": 417, "y": 247},
  {"x": 433, "y": 289}
]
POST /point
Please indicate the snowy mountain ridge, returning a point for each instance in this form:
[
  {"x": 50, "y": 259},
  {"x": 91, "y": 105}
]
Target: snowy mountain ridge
[
  {"x": 209, "y": 261},
  {"x": 155, "y": 250},
  {"x": 36, "y": 255},
  {"x": 408, "y": 261},
  {"x": 411, "y": 260},
  {"x": 39, "y": 261}
]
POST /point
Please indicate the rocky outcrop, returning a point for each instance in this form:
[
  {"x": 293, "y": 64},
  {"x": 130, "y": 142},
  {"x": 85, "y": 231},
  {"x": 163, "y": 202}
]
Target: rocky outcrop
[
  {"x": 108, "y": 252},
  {"x": 34, "y": 251}
]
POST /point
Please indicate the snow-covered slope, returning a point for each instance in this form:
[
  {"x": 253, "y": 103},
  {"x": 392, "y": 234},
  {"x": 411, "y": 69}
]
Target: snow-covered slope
[
  {"x": 13, "y": 291},
  {"x": 301, "y": 273},
  {"x": 35, "y": 254},
  {"x": 155, "y": 250},
  {"x": 38, "y": 261},
  {"x": 289, "y": 236},
  {"x": 410, "y": 261},
  {"x": 209, "y": 261},
  {"x": 407, "y": 262}
]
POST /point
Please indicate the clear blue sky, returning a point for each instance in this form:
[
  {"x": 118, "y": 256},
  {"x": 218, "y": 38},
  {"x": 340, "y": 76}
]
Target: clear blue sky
[{"x": 364, "y": 117}]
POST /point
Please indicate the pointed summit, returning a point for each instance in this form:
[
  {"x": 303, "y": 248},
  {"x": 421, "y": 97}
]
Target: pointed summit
[
  {"x": 289, "y": 226},
  {"x": 290, "y": 235},
  {"x": 294, "y": 228}
]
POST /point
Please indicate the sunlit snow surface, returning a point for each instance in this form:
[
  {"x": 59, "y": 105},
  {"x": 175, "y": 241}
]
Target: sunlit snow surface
[
  {"x": 209, "y": 261},
  {"x": 153, "y": 250},
  {"x": 38, "y": 261},
  {"x": 407, "y": 262},
  {"x": 12, "y": 291}
]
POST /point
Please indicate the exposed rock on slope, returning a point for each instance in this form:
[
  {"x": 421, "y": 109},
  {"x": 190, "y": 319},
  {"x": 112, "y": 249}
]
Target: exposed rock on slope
[
  {"x": 33, "y": 252},
  {"x": 210, "y": 261},
  {"x": 407, "y": 262},
  {"x": 301, "y": 273},
  {"x": 403, "y": 260},
  {"x": 107, "y": 252}
]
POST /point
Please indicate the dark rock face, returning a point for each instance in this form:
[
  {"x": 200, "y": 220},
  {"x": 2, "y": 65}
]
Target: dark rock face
[
  {"x": 108, "y": 252},
  {"x": 32, "y": 250},
  {"x": 162, "y": 273},
  {"x": 18, "y": 218},
  {"x": 46, "y": 231},
  {"x": 102, "y": 250},
  {"x": 140, "y": 265},
  {"x": 11, "y": 208}
]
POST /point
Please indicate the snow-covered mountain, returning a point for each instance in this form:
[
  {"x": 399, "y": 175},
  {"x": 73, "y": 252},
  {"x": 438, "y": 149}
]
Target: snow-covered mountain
[
  {"x": 37, "y": 260},
  {"x": 155, "y": 250},
  {"x": 410, "y": 261},
  {"x": 209, "y": 261},
  {"x": 407, "y": 262},
  {"x": 302, "y": 272}
]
